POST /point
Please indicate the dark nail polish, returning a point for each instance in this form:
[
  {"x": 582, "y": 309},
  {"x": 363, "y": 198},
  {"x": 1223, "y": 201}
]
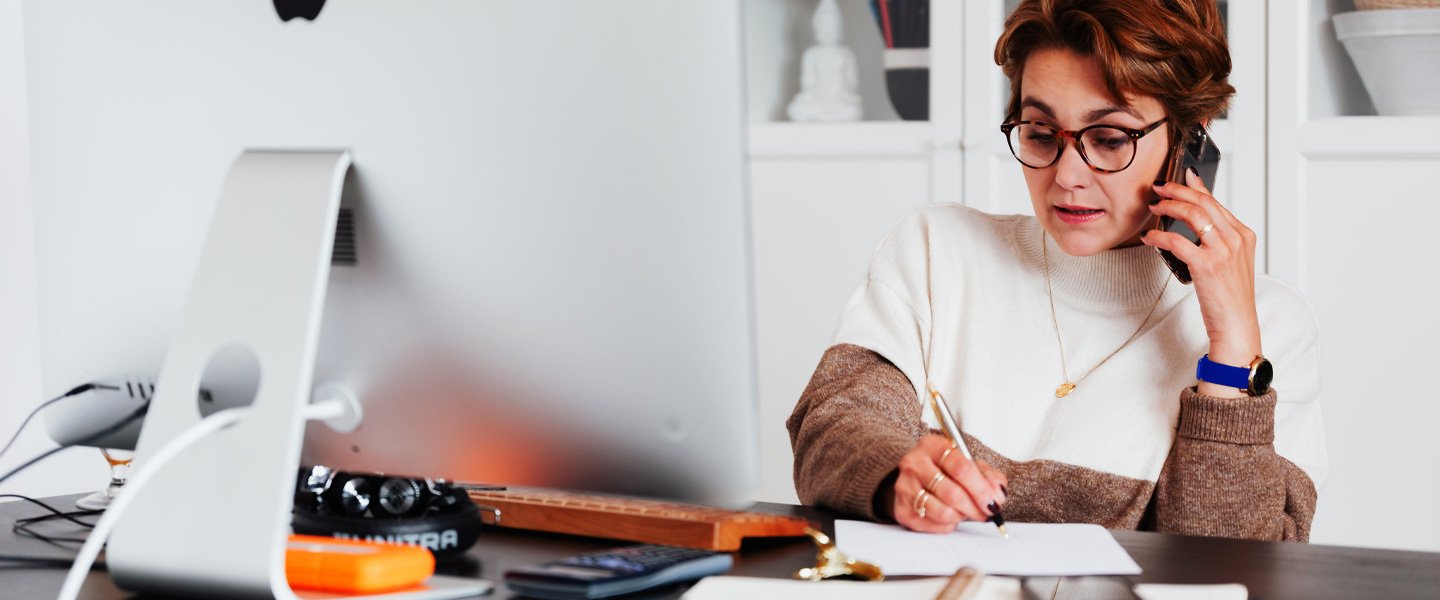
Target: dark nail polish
[
  {"x": 1005, "y": 490},
  {"x": 1193, "y": 172},
  {"x": 993, "y": 508},
  {"x": 1159, "y": 183},
  {"x": 1155, "y": 201}
]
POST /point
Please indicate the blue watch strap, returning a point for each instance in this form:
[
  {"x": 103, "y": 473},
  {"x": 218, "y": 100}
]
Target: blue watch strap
[{"x": 1210, "y": 371}]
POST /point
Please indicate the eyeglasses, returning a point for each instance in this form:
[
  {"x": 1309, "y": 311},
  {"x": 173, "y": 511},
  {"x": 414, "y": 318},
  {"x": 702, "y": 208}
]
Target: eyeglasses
[{"x": 1106, "y": 148}]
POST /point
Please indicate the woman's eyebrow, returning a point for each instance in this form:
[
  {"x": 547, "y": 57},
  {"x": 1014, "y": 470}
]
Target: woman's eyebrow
[
  {"x": 1093, "y": 116},
  {"x": 1037, "y": 105},
  {"x": 1099, "y": 113}
]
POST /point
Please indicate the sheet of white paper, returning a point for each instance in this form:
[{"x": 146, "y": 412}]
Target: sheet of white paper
[
  {"x": 992, "y": 588},
  {"x": 1052, "y": 549},
  {"x": 1165, "y": 591},
  {"x": 756, "y": 588}
]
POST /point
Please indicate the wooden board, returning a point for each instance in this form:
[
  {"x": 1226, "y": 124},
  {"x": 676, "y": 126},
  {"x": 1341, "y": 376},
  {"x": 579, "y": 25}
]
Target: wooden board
[{"x": 636, "y": 520}]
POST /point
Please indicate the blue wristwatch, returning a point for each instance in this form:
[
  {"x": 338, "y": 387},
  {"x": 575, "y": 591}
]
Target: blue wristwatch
[{"x": 1253, "y": 379}]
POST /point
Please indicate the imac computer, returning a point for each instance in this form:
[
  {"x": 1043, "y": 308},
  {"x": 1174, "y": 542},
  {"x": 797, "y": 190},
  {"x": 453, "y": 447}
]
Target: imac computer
[{"x": 517, "y": 233}]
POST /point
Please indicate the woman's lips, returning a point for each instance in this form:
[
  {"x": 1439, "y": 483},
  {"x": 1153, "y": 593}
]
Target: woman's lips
[{"x": 1077, "y": 214}]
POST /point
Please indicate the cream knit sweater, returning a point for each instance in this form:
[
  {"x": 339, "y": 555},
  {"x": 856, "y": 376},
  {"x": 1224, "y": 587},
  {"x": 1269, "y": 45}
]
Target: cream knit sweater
[{"x": 957, "y": 297}]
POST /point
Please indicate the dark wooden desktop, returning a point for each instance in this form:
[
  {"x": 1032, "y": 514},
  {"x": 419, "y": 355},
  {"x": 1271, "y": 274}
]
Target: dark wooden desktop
[{"x": 1271, "y": 570}]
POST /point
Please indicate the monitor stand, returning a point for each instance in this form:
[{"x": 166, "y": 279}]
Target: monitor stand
[{"x": 213, "y": 522}]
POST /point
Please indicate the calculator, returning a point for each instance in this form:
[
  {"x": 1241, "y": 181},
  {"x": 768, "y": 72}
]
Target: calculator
[{"x": 616, "y": 571}]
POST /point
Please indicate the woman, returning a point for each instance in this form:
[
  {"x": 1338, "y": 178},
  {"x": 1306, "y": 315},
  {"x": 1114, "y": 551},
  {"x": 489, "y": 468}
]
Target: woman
[{"x": 997, "y": 311}]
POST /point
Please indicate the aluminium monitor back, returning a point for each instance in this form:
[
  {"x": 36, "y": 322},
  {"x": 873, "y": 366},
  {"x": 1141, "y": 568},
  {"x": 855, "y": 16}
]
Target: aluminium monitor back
[{"x": 551, "y": 275}]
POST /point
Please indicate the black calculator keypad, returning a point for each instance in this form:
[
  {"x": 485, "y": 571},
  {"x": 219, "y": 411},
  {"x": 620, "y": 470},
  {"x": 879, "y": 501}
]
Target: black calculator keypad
[
  {"x": 615, "y": 572},
  {"x": 642, "y": 558}
]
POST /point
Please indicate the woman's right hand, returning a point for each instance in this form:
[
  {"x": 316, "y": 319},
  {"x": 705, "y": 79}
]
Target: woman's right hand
[{"x": 968, "y": 490}]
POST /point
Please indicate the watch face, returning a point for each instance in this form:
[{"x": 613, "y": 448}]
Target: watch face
[{"x": 1260, "y": 379}]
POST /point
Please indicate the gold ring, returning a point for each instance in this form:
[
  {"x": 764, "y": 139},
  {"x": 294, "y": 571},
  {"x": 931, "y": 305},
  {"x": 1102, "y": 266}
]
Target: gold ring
[
  {"x": 920, "y": 499},
  {"x": 935, "y": 481},
  {"x": 1204, "y": 230},
  {"x": 945, "y": 455}
]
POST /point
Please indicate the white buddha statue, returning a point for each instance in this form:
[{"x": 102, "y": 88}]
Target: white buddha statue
[{"x": 829, "y": 78}]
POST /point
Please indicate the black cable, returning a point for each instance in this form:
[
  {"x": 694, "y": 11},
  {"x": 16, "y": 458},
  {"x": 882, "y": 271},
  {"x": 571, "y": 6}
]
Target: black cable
[
  {"x": 38, "y": 561},
  {"x": 76, "y": 390},
  {"x": 55, "y": 513},
  {"x": 22, "y": 526},
  {"x": 139, "y": 413},
  {"x": 68, "y": 516},
  {"x": 26, "y": 531}
]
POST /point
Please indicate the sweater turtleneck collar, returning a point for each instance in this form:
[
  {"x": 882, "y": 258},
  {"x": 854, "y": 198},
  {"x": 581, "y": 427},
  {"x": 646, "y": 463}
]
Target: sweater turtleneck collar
[{"x": 1122, "y": 278}]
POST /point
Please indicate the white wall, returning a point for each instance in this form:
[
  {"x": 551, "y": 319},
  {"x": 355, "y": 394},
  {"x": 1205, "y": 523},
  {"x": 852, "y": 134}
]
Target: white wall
[{"x": 73, "y": 470}]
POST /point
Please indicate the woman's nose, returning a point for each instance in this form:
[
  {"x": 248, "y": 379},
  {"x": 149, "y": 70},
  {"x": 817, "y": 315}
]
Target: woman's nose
[{"x": 1071, "y": 172}]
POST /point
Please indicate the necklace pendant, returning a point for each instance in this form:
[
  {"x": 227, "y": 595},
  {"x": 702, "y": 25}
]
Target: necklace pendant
[{"x": 1064, "y": 390}]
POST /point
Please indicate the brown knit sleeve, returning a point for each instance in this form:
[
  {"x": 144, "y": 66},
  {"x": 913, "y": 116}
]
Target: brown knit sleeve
[
  {"x": 857, "y": 418},
  {"x": 1223, "y": 477}
]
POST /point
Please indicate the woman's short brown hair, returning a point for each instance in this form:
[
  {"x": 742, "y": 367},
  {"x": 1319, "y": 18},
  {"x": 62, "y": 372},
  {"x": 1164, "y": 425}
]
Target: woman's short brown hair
[{"x": 1173, "y": 50}]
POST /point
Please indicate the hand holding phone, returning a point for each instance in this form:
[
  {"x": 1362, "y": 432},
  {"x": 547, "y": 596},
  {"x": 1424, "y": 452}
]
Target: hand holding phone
[
  {"x": 1194, "y": 151},
  {"x": 1225, "y": 262}
]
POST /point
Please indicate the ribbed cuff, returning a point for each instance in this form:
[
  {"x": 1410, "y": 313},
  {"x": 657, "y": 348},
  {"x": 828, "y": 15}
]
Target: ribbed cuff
[
  {"x": 1227, "y": 420},
  {"x": 882, "y": 457}
]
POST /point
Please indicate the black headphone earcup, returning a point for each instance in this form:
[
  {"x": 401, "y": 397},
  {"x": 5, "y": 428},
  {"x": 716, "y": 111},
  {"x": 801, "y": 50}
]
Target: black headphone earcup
[
  {"x": 348, "y": 495},
  {"x": 447, "y": 534}
]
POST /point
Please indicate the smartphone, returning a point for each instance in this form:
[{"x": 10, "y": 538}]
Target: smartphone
[{"x": 1194, "y": 149}]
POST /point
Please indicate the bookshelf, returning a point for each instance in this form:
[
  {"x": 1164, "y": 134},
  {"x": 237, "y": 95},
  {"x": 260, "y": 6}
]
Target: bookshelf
[{"x": 882, "y": 134}]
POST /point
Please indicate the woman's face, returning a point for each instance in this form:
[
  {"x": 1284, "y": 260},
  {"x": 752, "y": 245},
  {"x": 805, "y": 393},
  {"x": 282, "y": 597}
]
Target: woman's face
[{"x": 1088, "y": 212}]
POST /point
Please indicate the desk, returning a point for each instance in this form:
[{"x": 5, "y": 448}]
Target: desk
[{"x": 1271, "y": 570}]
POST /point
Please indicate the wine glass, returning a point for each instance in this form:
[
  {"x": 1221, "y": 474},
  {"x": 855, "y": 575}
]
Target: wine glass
[{"x": 119, "y": 470}]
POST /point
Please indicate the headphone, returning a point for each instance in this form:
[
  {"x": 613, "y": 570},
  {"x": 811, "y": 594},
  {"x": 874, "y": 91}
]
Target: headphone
[{"x": 429, "y": 513}]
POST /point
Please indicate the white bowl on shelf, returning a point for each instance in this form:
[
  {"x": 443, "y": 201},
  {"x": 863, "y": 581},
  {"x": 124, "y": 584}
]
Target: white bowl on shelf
[{"x": 1398, "y": 55}]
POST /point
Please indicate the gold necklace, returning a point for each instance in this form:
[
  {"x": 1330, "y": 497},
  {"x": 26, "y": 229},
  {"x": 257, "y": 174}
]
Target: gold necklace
[{"x": 1069, "y": 386}]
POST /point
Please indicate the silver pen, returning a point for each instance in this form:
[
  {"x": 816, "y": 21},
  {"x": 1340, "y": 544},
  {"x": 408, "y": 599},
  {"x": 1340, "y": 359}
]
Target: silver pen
[{"x": 952, "y": 431}]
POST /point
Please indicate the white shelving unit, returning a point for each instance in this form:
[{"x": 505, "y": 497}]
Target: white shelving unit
[
  {"x": 1351, "y": 198},
  {"x": 882, "y": 134},
  {"x": 823, "y": 195},
  {"x": 865, "y": 139}
]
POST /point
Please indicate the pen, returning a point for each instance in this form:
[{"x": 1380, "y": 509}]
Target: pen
[{"x": 942, "y": 412}]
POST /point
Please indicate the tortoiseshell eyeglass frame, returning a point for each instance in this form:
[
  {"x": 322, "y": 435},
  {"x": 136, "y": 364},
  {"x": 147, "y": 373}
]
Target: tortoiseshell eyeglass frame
[{"x": 1074, "y": 134}]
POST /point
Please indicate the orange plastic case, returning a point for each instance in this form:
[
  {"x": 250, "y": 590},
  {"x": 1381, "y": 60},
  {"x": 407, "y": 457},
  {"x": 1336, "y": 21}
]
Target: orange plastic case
[{"x": 352, "y": 566}]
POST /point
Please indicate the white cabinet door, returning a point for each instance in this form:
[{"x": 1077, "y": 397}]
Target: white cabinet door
[
  {"x": 1372, "y": 271},
  {"x": 816, "y": 224}
]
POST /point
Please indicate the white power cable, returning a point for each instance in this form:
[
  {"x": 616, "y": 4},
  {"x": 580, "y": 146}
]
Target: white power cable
[
  {"x": 76, "y": 577},
  {"x": 324, "y": 409}
]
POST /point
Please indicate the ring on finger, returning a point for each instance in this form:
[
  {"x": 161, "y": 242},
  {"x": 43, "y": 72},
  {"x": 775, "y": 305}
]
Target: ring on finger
[
  {"x": 946, "y": 454},
  {"x": 933, "y": 486},
  {"x": 920, "y": 499},
  {"x": 1204, "y": 230}
]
